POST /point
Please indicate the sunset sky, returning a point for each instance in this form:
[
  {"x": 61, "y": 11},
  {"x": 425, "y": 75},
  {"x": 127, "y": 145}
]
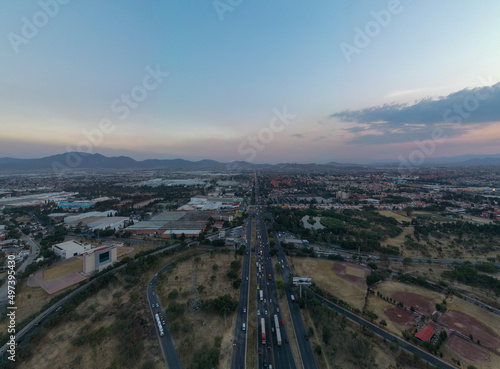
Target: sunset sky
[{"x": 262, "y": 81}]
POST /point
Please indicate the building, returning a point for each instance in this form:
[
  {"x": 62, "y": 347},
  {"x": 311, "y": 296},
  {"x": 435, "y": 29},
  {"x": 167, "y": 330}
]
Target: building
[
  {"x": 98, "y": 259},
  {"x": 76, "y": 204},
  {"x": 425, "y": 334},
  {"x": 168, "y": 223},
  {"x": 115, "y": 223},
  {"x": 69, "y": 249}
]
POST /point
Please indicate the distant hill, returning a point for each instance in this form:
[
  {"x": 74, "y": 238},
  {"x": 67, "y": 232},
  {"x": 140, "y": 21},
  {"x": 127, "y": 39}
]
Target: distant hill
[{"x": 76, "y": 160}]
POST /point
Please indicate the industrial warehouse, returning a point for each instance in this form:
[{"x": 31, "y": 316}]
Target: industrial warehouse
[{"x": 173, "y": 224}]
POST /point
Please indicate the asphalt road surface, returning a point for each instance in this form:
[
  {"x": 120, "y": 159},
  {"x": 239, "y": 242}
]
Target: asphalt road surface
[
  {"x": 238, "y": 360},
  {"x": 166, "y": 342}
]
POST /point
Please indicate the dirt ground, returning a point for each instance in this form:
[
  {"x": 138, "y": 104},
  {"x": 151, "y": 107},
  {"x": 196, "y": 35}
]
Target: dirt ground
[
  {"x": 470, "y": 354},
  {"x": 388, "y": 288},
  {"x": 63, "y": 269},
  {"x": 206, "y": 325},
  {"x": 322, "y": 273},
  {"x": 468, "y": 325},
  {"x": 422, "y": 303},
  {"x": 484, "y": 317},
  {"x": 388, "y": 312}
]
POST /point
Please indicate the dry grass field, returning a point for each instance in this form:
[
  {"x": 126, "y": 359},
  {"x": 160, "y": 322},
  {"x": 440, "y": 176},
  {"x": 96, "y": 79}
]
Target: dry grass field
[
  {"x": 396, "y": 215},
  {"x": 63, "y": 269},
  {"x": 379, "y": 307},
  {"x": 388, "y": 288},
  {"x": 321, "y": 272},
  {"x": 208, "y": 325}
]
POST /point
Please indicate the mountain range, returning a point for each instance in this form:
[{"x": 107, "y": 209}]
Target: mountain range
[{"x": 76, "y": 160}]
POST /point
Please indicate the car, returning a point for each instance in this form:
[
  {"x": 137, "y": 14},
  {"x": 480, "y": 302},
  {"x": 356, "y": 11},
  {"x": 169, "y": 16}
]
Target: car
[
  {"x": 265, "y": 301},
  {"x": 272, "y": 329},
  {"x": 268, "y": 283},
  {"x": 265, "y": 311},
  {"x": 244, "y": 310},
  {"x": 282, "y": 322},
  {"x": 260, "y": 350},
  {"x": 157, "y": 305},
  {"x": 247, "y": 278},
  {"x": 306, "y": 337},
  {"x": 258, "y": 312},
  {"x": 286, "y": 340},
  {"x": 277, "y": 310},
  {"x": 153, "y": 306}
]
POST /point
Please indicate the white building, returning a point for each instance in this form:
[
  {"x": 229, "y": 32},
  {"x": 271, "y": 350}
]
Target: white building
[
  {"x": 99, "y": 258},
  {"x": 69, "y": 249},
  {"x": 79, "y": 217},
  {"x": 108, "y": 222}
]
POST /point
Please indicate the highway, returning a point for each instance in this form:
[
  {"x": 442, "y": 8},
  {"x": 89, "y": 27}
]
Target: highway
[
  {"x": 167, "y": 345},
  {"x": 238, "y": 360},
  {"x": 279, "y": 356},
  {"x": 306, "y": 352}
]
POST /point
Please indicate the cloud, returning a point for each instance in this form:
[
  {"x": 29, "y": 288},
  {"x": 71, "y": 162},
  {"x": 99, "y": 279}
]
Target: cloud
[
  {"x": 319, "y": 138},
  {"x": 298, "y": 135},
  {"x": 395, "y": 122}
]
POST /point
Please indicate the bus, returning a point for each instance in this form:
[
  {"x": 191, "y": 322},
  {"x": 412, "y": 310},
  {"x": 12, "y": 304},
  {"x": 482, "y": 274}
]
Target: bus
[
  {"x": 277, "y": 329},
  {"x": 263, "y": 328}
]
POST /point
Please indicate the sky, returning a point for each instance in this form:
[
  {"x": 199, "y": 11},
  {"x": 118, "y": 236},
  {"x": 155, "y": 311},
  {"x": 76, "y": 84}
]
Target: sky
[{"x": 261, "y": 81}]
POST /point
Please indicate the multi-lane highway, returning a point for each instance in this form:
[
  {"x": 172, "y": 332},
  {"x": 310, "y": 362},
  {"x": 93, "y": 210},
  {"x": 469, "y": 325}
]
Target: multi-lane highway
[
  {"x": 238, "y": 360},
  {"x": 280, "y": 356}
]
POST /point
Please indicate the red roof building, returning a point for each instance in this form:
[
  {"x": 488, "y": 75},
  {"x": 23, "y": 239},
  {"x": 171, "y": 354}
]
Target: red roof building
[{"x": 426, "y": 333}]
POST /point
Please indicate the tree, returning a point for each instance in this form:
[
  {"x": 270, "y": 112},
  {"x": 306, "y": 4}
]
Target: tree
[
  {"x": 318, "y": 350},
  {"x": 327, "y": 335},
  {"x": 232, "y": 274},
  {"x": 407, "y": 261},
  {"x": 416, "y": 357},
  {"x": 280, "y": 284},
  {"x": 237, "y": 283}
]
